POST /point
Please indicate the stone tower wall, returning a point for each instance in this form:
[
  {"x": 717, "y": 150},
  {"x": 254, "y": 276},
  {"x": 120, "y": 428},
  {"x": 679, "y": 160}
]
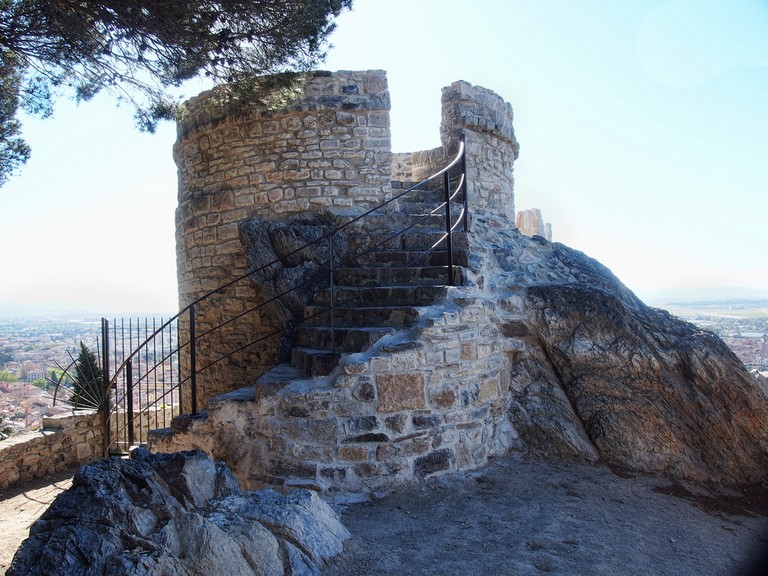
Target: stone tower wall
[
  {"x": 531, "y": 223},
  {"x": 328, "y": 149},
  {"x": 485, "y": 119}
]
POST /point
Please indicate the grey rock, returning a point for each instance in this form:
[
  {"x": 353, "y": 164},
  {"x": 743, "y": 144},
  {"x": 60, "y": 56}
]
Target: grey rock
[
  {"x": 177, "y": 514},
  {"x": 605, "y": 376},
  {"x": 287, "y": 273},
  {"x": 300, "y": 517}
]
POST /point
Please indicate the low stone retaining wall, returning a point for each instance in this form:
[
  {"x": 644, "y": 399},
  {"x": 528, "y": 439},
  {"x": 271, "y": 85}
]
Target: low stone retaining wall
[
  {"x": 428, "y": 401},
  {"x": 64, "y": 442}
]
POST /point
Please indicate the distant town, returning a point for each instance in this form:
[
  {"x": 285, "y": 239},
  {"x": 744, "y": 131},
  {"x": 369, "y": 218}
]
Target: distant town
[
  {"x": 741, "y": 323},
  {"x": 34, "y": 353},
  {"x": 34, "y": 350}
]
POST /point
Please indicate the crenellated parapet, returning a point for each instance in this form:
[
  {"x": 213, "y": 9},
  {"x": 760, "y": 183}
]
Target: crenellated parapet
[{"x": 485, "y": 120}]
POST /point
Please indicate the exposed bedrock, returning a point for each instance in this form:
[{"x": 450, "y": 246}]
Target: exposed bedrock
[
  {"x": 288, "y": 267},
  {"x": 606, "y": 375},
  {"x": 177, "y": 515}
]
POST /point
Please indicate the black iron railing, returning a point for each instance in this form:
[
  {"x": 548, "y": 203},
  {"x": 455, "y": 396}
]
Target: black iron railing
[{"x": 154, "y": 360}]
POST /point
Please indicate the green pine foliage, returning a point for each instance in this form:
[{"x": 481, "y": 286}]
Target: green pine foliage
[
  {"x": 5, "y": 431},
  {"x": 6, "y": 376},
  {"x": 88, "y": 388},
  {"x": 140, "y": 50}
]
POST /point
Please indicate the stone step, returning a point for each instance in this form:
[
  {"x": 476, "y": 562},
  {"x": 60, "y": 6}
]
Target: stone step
[
  {"x": 276, "y": 378},
  {"x": 391, "y": 316},
  {"x": 341, "y": 339},
  {"x": 421, "y": 195},
  {"x": 428, "y": 240},
  {"x": 312, "y": 362},
  {"x": 387, "y": 224},
  {"x": 382, "y": 296},
  {"x": 401, "y": 258},
  {"x": 431, "y": 186},
  {"x": 417, "y": 209},
  {"x": 387, "y": 242},
  {"x": 420, "y": 241},
  {"x": 394, "y": 276}
]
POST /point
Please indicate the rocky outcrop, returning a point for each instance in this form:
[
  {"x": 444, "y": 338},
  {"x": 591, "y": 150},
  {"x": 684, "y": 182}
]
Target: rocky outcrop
[
  {"x": 604, "y": 375},
  {"x": 287, "y": 270},
  {"x": 177, "y": 514}
]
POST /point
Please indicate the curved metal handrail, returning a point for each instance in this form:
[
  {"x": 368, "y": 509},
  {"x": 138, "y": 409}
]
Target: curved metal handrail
[{"x": 189, "y": 310}]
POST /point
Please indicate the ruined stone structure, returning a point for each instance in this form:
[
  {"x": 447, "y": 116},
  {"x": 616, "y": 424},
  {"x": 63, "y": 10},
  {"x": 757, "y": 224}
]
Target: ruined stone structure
[
  {"x": 537, "y": 347},
  {"x": 531, "y": 223},
  {"x": 328, "y": 150},
  {"x": 485, "y": 119}
]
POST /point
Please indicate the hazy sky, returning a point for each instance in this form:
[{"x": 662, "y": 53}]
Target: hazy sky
[{"x": 643, "y": 128}]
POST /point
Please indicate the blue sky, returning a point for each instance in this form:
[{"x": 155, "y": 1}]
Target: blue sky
[{"x": 643, "y": 128}]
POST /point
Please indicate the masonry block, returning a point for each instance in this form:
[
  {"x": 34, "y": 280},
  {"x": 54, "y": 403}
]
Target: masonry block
[
  {"x": 398, "y": 392},
  {"x": 437, "y": 461}
]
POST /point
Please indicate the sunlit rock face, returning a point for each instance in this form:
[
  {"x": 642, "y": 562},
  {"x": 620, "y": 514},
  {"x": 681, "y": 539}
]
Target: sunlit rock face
[
  {"x": 177, "y": 514},
  {"x": 603, "y": 375}
]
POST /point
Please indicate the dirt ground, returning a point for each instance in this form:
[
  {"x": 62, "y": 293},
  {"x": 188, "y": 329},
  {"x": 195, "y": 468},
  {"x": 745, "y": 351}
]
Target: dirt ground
[
  {"x": 523, "y": 516},
  {"x": 520, "y": 516},
  {"x": 21, "y": 506}
]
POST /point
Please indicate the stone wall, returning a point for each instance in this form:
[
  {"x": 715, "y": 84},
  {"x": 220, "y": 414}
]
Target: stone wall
[
  {"x": 65, "y": 442},
  {"x": 531, "y": 223},
  {"x": 329, "y": 148},
  {"x": 417, "y": 166},
  {"x": 421, "y": 404}
]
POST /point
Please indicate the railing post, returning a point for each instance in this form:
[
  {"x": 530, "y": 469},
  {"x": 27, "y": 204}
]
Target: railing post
[
  {"x": 466, "y": 186},
  {"x": 179, "y": 371},
  {"x": 333, "y": 292},
  {"x": 448, "y": 225},
  {"x": 106, "y": 389},
  {"x": 193, "y": 359},
  {"x": 129, "y": 398}
]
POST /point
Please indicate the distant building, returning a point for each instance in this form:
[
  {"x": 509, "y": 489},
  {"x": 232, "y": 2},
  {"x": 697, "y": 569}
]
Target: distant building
[{"x": 531, "y": 223}]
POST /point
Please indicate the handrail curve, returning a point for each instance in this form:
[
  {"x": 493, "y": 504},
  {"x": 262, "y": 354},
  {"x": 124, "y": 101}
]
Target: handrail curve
[{"x": 124, "y": 371}]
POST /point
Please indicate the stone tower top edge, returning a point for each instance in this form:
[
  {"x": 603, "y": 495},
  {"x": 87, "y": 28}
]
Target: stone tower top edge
[
  {"x": 348, "y": 90},
  {"x": 467, "y": 106}
]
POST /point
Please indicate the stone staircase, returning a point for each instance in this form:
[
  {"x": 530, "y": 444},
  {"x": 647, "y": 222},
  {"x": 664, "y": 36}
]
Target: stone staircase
[
  {"x": 409, "y": 380},
  {"x": 380, "y": 286}
]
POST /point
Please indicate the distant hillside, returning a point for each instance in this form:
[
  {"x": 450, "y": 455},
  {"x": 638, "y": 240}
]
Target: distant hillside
[{"x": 661, "y": 298}]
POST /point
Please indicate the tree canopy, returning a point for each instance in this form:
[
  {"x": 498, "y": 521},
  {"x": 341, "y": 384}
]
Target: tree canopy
[{"x": 140, "y": 50}]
